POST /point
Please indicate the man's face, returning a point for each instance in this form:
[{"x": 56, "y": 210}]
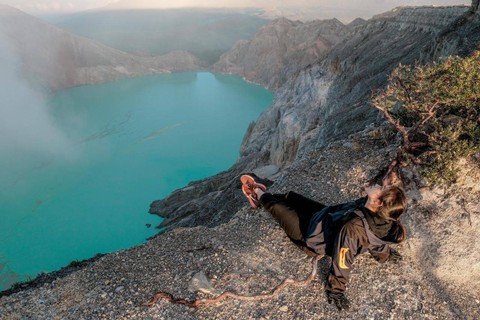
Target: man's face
[{"x": 374, "y": 193}]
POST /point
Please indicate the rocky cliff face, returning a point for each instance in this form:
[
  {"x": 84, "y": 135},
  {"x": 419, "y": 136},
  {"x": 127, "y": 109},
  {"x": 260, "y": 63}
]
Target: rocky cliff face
[
  {"x": 281, "y": 49},
  {"x": 329, "y": 100},
  {"x": 54, "y": 59}
]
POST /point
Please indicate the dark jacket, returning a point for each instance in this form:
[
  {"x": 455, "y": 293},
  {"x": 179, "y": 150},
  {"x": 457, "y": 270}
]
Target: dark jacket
[
  {"x": 343, "y": 232},
  {"x": 326, "y": 224}
]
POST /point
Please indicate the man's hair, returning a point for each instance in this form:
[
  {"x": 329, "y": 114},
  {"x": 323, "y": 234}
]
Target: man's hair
[{"x": 394, "y": 203}]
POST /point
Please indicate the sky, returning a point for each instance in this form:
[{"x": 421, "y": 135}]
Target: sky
[{"x": 63, "y": 6}]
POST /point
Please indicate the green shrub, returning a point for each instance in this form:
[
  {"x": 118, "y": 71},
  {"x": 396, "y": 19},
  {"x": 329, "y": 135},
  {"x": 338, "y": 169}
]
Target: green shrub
[{"x": 436, "y": 108}]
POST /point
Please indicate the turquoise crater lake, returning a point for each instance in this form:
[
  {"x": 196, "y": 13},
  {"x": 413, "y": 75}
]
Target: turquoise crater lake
[{"x": 129, "y": 142}]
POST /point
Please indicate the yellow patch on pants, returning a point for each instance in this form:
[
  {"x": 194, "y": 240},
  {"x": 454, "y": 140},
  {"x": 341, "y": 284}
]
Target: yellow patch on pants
[{"x": 343, "y": 253}]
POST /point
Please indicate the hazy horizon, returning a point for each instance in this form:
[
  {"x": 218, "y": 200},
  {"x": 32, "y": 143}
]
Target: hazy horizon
[{"x": 345, "y": 10}]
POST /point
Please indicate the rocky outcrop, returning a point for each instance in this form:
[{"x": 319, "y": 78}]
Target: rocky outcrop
[
  {"x": 281, "y": 49},
  {"x": 53, "y": 59}
]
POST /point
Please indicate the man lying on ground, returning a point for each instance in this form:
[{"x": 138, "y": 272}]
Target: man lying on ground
[{"x": 341, "y": 231}]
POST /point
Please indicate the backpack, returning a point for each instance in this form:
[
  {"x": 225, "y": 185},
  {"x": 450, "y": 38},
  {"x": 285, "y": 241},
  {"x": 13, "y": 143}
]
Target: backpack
[{"x": 327, "y": 223}]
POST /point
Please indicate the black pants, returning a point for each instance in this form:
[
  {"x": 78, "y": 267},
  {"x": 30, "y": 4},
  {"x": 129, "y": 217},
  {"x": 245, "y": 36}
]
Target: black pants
[{"x": 293, "y": 212}]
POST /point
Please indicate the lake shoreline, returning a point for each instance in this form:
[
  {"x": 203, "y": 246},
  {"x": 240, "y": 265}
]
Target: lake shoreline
[{"x": 123, "y": 145}]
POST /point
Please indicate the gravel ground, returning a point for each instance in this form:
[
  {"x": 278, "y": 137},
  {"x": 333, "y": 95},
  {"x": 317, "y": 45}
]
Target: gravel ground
[{"x": 437, "y": 279}]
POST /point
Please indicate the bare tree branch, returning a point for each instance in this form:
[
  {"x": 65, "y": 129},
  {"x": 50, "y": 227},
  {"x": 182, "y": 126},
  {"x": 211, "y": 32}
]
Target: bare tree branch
[
  {"x": 396, "y": 124},
  {"x": 228, "y": 294}
]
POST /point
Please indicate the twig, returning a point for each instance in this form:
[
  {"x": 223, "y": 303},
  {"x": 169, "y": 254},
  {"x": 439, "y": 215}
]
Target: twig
[
  {"x": 415, "y": 145},
  {"x": 469, "y": 215},
  {"x": 428, "y": 153},
  {"x": 430, "y": 115},
  {"x": 396, "y": 124},
  {"x": 406, "y": 91},
  {"x": 195, "y": 303},
  {"x": 413, "y": 158}
]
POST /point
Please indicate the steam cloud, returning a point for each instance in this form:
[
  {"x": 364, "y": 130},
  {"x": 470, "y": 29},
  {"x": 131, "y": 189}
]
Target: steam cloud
[
  {"x": 26, "y": 127},
  {"x": 29, "y": 139}
]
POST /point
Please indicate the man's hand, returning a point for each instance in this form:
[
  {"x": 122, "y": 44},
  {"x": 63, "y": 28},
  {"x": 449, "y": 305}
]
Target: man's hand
[
  {"x": 395, "y": 256},
  {"x": 339, "y": 299}
]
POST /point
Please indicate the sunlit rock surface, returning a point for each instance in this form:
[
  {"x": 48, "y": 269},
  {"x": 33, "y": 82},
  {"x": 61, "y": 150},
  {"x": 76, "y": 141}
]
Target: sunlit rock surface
[{"x": 281, "y": 49}]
